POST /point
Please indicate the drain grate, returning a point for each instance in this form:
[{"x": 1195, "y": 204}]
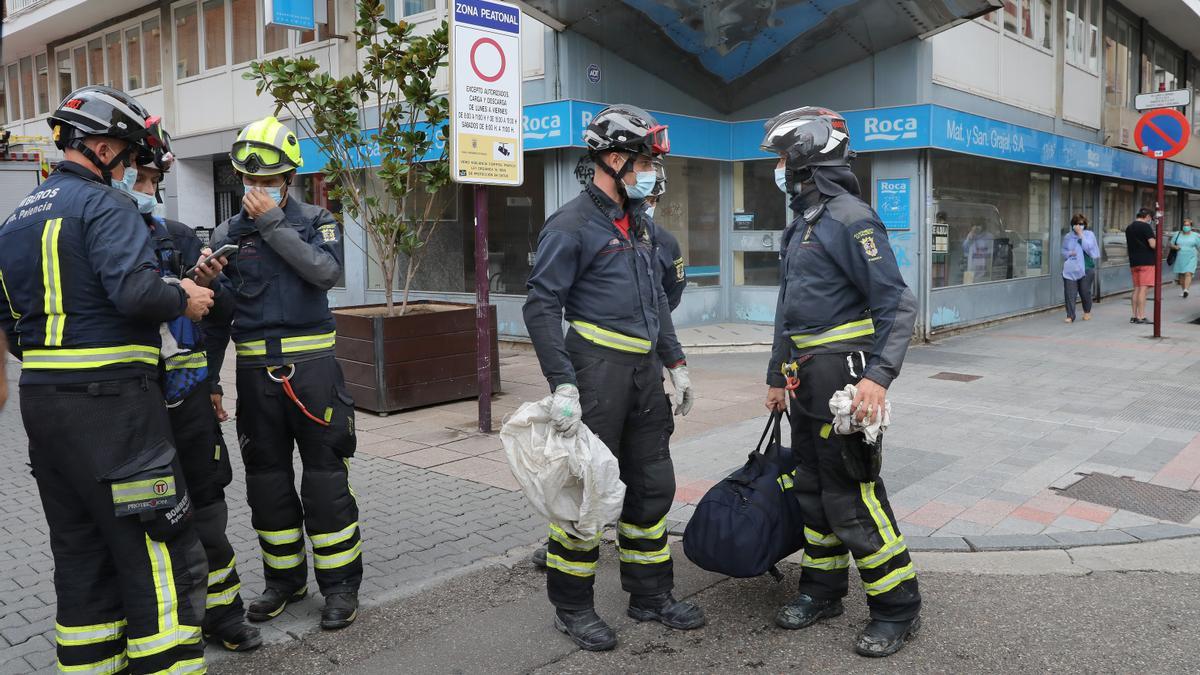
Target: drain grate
[
  {"x": 955, "y": 377},
  {"x": 1156, "y": 501}
]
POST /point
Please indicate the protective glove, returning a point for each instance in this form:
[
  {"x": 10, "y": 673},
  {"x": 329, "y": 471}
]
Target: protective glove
[
  {"x": 565, "y": 412},
  {"x": 683, "y": 389}
]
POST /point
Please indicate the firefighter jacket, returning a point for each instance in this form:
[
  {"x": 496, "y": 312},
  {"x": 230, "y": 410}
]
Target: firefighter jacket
[
  {"x": 82, "y": 297},
  {"x": 605, "y": 284},
  {"x": 840, "y": 288}
]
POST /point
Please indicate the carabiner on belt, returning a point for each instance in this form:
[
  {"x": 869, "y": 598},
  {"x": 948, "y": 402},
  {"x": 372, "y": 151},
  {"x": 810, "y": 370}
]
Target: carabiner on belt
[
  {"x": 791, "y": 372},
  {"x": 285, "y": 381}
]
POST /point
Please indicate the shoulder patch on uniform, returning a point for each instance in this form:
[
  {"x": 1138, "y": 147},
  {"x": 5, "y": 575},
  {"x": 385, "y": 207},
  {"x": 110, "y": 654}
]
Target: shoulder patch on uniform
[
  {"x": 328, "y": 231},
  {"x": 866, "y": 239},
  {"x": 679, "y": 272}
]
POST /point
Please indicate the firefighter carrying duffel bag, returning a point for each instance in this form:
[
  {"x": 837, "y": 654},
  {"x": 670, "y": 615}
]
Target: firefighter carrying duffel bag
[{"x": 751, "y": 519}]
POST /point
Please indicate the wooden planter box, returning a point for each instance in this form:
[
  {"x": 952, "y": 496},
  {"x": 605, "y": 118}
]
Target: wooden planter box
[{"x": 422, "y": 358}]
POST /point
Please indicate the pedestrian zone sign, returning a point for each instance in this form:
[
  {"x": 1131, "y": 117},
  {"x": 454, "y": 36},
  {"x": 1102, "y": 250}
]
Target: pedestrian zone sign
[{"x": 485, "y": 93}]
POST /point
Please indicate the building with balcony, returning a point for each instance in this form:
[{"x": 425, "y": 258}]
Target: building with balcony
[{"x": 977, "y": 138}]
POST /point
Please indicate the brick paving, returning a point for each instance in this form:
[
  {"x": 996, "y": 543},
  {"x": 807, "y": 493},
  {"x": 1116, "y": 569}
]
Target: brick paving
[{"x": 969, "y": 465}]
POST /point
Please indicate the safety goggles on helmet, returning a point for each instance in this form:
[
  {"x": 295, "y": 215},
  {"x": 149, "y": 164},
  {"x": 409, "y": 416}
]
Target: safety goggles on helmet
[{"x": 255, "y": 156}]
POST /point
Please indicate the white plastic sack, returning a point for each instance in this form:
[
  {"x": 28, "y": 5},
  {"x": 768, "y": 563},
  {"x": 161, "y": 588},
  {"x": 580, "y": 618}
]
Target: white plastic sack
[{"x": 574, "y": 482}]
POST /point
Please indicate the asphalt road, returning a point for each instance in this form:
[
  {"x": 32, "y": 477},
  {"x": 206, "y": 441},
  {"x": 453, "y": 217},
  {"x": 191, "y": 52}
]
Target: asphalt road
[{"x": 1037, "y": 611}]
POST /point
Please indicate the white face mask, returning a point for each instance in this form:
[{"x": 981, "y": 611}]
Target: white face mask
[
  {"x": 781, "y": 179},
  {"x": 275, "y": 193},
  {"x": 644, "y": 185}
]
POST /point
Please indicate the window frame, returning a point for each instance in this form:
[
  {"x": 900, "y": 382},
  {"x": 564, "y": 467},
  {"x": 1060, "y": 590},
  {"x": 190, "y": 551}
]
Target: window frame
[
  {"x": 393, "y": 7},
  {"x": 1088, "y": 33},
  {"x": 123, "y": 29},
  {"x": 1019, "y": 35},
  {"x": 294, "y": 46}
]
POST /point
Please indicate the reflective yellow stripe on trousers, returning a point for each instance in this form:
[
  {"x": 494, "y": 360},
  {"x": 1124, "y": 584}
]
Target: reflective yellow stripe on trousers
[
  {"x": 109, "y": 666},
  {"x": 78, "y": 636},
  {"x": 611, "y": 339},
  {"x": 575, "y": 569},
  {"x": 289, "y": 345},
  {"x": 170, "y": 632},
  {"x": 845, "y": 331},
  {"x": 570, "y": 543}
]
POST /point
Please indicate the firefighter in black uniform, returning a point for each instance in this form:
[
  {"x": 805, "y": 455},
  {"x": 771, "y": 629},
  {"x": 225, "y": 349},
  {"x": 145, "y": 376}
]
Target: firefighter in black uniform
[
  {"x": 290, "y": 388},
  {"x": 81, "y": 305},
  {"x": 844, "y": 316},
  {"x": 595, "y": 266},
  {"x": 197, "y": 432},
  {"x": 667, "y": 256}
]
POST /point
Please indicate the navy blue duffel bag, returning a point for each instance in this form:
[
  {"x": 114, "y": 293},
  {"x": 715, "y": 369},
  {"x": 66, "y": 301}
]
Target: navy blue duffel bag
[{"x": 751, "y": 519}]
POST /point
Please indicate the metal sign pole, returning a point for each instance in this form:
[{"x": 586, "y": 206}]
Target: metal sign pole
[
  {"x": 1158, "y": 254},
  {"x": 483, "y": 323}
]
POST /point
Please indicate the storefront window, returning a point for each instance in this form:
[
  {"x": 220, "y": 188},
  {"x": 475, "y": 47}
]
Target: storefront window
[
  {"x": 441, "y": 267},
  {"x": 690, "y": 210},
  {"x": 515, "y": 219},
  {"x": 997, "y": 217},
  {"x": 1078, "y": 196},
  {"x": 758, "y": 205},
  {"x": 1119, "y": 206}
]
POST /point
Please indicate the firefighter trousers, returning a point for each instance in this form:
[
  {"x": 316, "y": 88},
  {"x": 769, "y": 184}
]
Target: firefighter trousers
[
  {"x": 624, "y": 403},
  {"x": 843, "y": 516},
  {"x": 129, "y": 570},
  {"x": 206, "y": 467},
  {"x": 270, "y": 425}
]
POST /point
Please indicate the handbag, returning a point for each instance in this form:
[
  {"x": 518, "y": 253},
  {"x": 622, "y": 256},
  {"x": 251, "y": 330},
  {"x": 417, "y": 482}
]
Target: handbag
[
  {"x": 1174, "y": 252},
  {"x": 751, "y": 520}
]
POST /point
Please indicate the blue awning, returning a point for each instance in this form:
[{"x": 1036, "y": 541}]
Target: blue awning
[{"x": 560, "y": 124}]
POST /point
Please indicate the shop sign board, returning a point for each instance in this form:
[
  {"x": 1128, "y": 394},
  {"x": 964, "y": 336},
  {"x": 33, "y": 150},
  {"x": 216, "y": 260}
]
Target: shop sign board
[
  {"x": 486, "y": 116},
  {"x": 295, "y": 14}
]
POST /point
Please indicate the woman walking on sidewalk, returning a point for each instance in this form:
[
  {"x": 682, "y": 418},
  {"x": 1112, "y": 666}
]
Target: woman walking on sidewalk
[
  {"x": 1080, "y": 253},
  {"x": 1185, "y": 244}
]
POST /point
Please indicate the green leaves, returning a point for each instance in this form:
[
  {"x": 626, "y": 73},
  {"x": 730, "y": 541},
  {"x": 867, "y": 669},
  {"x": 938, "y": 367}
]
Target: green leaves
[{"x": 395, "y": 84}]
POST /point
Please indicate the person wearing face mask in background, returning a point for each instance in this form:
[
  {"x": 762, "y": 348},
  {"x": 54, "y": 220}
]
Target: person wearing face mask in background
[
  {"x": 82, "y": 305},
  {"x": 667, "y": 252},
  {"x": 290, "y": 389},
  {"x": 194, "y": 424},
  {"x": 844, "y": 317},
  {"x": 1185, "y": 244},
  {"x": 1080, "y": 253},
  {"x": 595, "y": 266}
]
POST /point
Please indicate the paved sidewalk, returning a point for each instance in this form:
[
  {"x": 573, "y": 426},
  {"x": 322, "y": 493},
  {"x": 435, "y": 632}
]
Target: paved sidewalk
[
  {"x": 969, "y": 464},
  {"x": 975, "y": 464}
]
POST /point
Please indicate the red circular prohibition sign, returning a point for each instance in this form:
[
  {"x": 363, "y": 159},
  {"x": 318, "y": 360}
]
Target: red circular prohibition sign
[
  {"x": 1154, "y": 135},
  {"x": 493, "y": 43}
]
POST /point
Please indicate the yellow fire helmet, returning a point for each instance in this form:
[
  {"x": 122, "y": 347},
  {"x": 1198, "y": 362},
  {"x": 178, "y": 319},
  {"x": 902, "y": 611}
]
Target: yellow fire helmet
[{"x": 266, "y": 148}]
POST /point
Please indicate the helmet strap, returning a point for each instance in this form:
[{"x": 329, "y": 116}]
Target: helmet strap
[{"x": 77, "y": 144}]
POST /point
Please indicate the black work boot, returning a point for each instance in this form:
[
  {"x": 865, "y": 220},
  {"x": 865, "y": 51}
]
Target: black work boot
[
  {"x": 341, "y": 609},
  {"x": 539, "y": 557},
  {"x": 237, "y": 636},
  {"x": 271, "y": 603},
  {"x": 586, "y": 629},
  {"x": 806, "y": 610},
  {"x": 884, "y": 638},
  {"x": 665, "y": 609}
]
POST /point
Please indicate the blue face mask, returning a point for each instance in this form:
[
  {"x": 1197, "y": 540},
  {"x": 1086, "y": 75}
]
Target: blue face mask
[
  {"x": 644, "y": 185},
  {"x": 781, "y": 179},
  {"x": 1187, "y": 228},
  {"x": 275, "y": 193},
  {"x": 126, "y": 183},
  {"x": 145, "y": 202},
  {"x": 650, "y": 212}
]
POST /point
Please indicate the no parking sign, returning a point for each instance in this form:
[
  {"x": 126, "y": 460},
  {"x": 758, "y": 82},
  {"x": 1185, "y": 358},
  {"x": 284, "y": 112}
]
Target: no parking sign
[
  {"x": 1162, "y": 133},
  {"x": 485, "y": 93}
]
